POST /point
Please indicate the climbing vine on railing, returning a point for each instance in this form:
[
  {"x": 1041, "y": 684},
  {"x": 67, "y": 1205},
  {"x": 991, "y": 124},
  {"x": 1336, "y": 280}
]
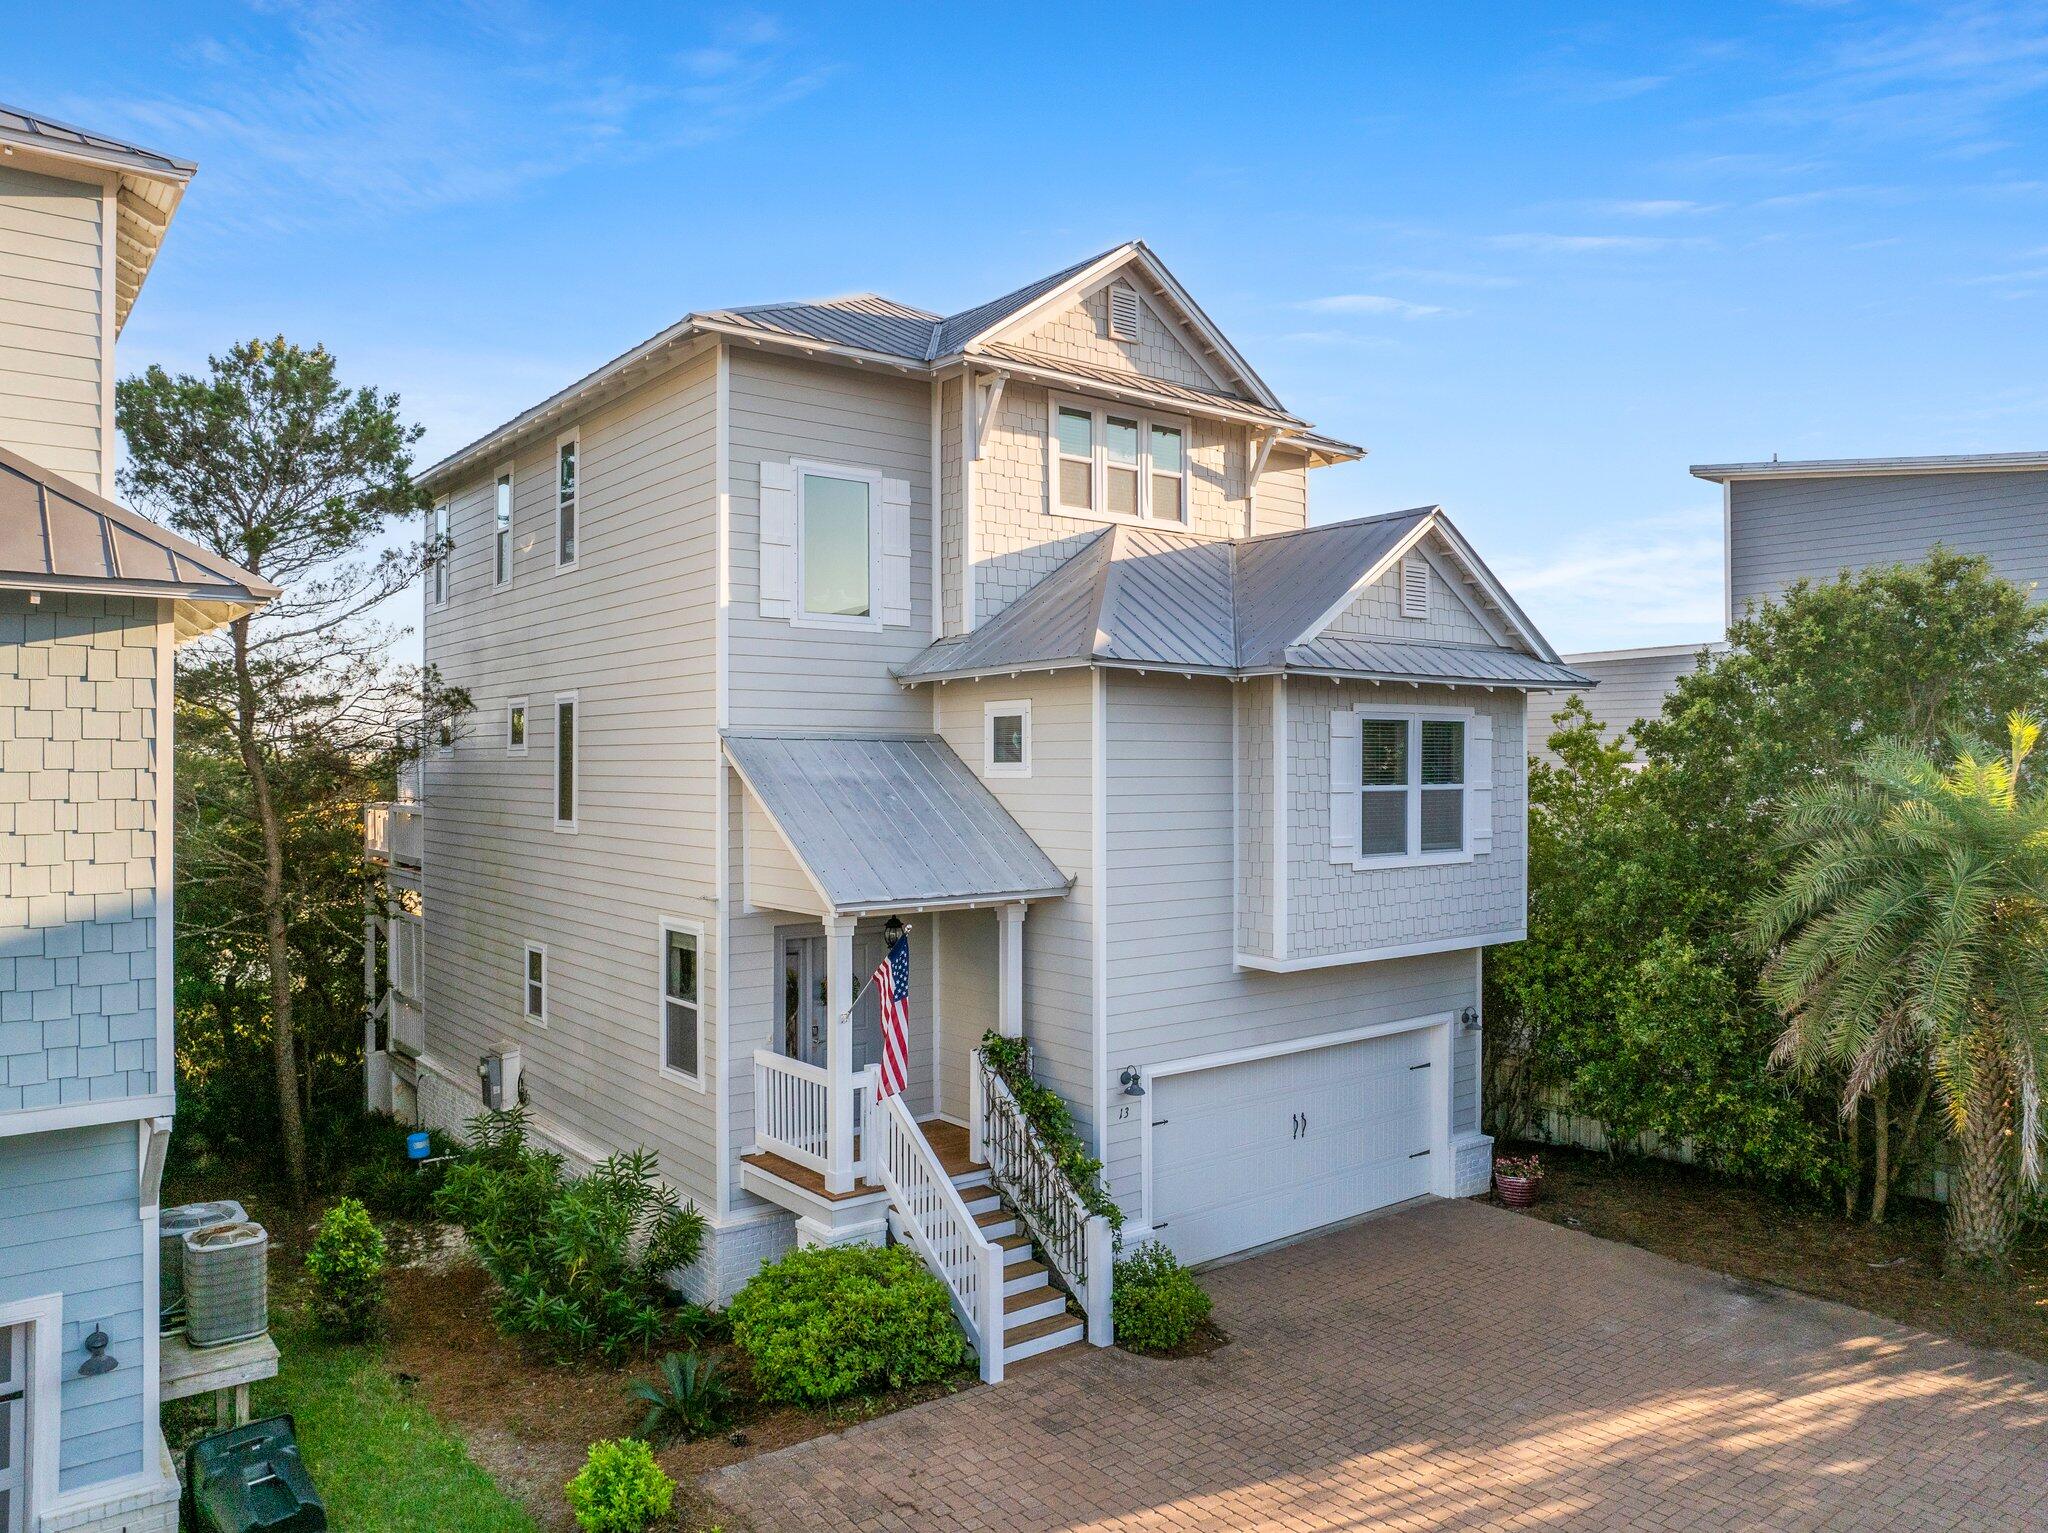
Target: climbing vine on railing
[{"x": 1047, "y": 1114}]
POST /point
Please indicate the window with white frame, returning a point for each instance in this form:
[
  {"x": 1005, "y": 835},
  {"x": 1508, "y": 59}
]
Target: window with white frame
[
  {"x": 1006, "y": 740},
  {"x": 437, "y": 573},
  {"x": 535, "y": 983},
  {"x": 681, "y": 1012},
  {"x": 1109, "y": 461},
  {"x": 567, "y": 498},
  {"x": 566, "y": 774},
  {"x": 501, "y": 529},
  {"x": 1412, "y": 785},
  {"x": 515, "y": 727},
  {"x": 836, "y": 545}
]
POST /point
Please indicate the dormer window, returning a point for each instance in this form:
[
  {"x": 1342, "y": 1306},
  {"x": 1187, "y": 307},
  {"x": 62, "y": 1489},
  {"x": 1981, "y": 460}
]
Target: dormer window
[{"x": 1118, "y": 464}]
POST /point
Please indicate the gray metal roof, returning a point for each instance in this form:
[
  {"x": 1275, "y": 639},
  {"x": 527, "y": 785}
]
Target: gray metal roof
[
  {"x": 1134, "y": 596},
  {"x": 865, "y": 320},
  {"x": 1828, "y": 468},
  {"x": 56, "y": 535},
  {"x": 26, "y": 127},
  {"x": 1116, "y": 378},
  {"x": 891, "y": 822},
  {"x": 958, "y": 329}
]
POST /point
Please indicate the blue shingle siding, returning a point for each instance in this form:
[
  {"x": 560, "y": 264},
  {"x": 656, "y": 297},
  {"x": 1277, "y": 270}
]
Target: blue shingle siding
[
  {"x": 70, "y": 1224},
  {"x": 78, "y": 677}
]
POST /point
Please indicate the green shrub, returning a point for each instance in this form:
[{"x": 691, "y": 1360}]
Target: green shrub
[
  {"x": 1157, "y": 1303},
  {"x": 690, "y": 1399},
  {"x": 347, "y": 1263},
  {"x": 1047, "y": 1113},
  {"x": 833, "y": 1321},
  {"x": 382, "y": 1176},
  {"x": 580, "y": 1261},
  {"x": 620, "y": 1489}
]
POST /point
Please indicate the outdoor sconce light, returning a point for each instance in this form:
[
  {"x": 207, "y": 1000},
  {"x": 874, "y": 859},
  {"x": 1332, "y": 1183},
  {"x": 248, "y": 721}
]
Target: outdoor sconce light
[
  {"x": 892, "y": 930},
  {"x": 1468, "y": 1019},
  {"x": 97, "y": 1362},
  {"x": 1131, "y": 1085}
]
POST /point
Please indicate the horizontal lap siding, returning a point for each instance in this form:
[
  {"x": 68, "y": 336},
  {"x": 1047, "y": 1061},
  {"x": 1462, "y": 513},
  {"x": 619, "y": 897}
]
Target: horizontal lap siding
[
  {"x": 1784, "y": 529},
  {"x": 51, "y": 314},
  {"x": 631, "y": 629},
  {"x": 1282, "y": 504},
  {"x": 70, "y": 1223},
  {"x": 784, "y": 676},
  {"x": 1174, "y": 990},
  {"x": 967, "y": 999},
  {"x": 1629, "y": 690}
]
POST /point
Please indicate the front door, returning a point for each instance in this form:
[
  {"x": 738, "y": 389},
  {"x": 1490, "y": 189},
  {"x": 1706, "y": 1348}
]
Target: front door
[
  {"x": 806, "y": 1014},
  {"x": 13, "y": 1429}
]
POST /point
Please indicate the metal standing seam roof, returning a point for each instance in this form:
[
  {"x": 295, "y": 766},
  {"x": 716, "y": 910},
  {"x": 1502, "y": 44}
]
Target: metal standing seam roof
[
  {"x": 56, "y": 535},
  {"x": 1828, "y": 468},
  {"x": 24, "y": 126},
  {"x": 891, "y": 821},
  {"x": 1133, "y": 596}
]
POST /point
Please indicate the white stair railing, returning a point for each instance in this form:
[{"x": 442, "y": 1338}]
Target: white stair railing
[
  {"x": 1077, "y": 1243},
  {"x": 790, "y": 1101},
  {"x": 931, "y": 1213}
]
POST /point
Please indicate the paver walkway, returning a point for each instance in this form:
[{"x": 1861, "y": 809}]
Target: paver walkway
[{"x": 1455, "y": 1366}]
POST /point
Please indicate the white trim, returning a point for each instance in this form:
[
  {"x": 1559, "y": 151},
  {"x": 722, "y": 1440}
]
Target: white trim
[
  {"x": 1647, "y": 652},
  {"x": 109, "y": 319},
  {"x": 799, "y": 614},
  {"x": 968, "y": 574},
  {"x": 526, "y": 1011},
  {"x": 990, "y": 712},
  {"x": 572, "y": 438},
  {"x": 695, "y": 931},
  {"x": 1869, "y": 468},
  {"x": 1443, "y": 1022},
  {"x": 44, "y": 1120},
  {"x": 938, "y": 496},
  {"x": 1099, "y": 412},
  {"x": 1378, "y": 954},
  {"x": 722, "y": 784},
  {"x": 507, "y": 476},
  {"x": 518, "y": 705},
  {"x": 1727, "y": 555},
  {"x": 165, "y": 1080},
  {"x": 1280, "y": 831},
  {"x": 1414, "y": 787},
  {"x": 574, "y": 700},
  {"x": 1099, "y": 906},
  {"x": 43, "y": 1315}
]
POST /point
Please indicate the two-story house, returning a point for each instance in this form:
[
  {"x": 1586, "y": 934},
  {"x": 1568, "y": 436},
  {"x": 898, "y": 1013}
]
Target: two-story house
[
  {"x": 1812, "y": 519},
  {"x": 1008, "y": 625},
  {"x": 93, "y": 600}
]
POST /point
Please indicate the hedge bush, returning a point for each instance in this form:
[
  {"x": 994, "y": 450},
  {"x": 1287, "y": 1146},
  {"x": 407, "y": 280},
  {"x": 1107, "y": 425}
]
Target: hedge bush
[
  {"x": 829, "y": 1322},
  {"x": 1157, "y": 1303},
  {"x": 347, "y": 1265},
  {"x": 620, "y": 1488}
]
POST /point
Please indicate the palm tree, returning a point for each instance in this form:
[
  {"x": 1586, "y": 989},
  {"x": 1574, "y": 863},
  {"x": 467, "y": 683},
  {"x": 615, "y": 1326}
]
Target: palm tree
[{"x": 1910, "y": 927}]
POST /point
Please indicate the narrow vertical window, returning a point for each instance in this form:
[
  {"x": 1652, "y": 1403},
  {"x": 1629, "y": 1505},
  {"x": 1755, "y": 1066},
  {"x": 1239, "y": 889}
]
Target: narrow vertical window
[
  {"x": 679, "y": 1006},
  {"x": 501, "y": 531},
  {"x": 565, "y": 762},
  {"x": 536, "y": 983},
  {"x": 1169, "y": 474},
  {"x": 515, "y": 727},
  {"x": 1120, "y": 465},
  {"x": 438, "y": 572},
  {"x": 565, "y": 501},
  {"x": 1443, "y": 785},
  {"x": 837, "y": 548}
]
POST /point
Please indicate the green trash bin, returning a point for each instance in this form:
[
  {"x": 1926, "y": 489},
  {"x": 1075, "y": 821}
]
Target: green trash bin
[{"x": 252, "y": 1480}]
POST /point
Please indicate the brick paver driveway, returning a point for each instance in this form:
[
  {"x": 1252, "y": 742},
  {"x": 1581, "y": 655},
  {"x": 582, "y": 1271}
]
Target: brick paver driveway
[{"x": 1454, "y": 1366}]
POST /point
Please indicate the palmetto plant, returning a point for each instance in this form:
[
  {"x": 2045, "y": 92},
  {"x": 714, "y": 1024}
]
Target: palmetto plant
[
  {"x": 1911, "y": 928},
  {"x": 690, "y": 1398}
]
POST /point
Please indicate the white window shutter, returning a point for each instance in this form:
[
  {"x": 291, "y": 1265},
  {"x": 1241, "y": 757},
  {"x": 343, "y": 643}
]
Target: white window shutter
[
  {"x": 896, "y": 553},
  {"x": 1344, "y": 787},
  {"x": 1479, "y": 783},
  {"x": 778, "y": 539}
]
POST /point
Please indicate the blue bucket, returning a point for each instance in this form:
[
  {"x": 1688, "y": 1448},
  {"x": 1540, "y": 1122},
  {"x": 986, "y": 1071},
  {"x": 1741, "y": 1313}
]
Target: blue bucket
[{"x": 418, "y": 1146}]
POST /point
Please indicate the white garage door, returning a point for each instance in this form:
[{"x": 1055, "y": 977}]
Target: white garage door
[{"x": 1249, "y": 1153}]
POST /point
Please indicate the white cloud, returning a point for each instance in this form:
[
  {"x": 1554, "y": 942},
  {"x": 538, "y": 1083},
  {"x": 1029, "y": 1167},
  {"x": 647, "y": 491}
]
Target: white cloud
[
  {"x": 1652, "y": 207},
  {"x": 1375, "y": 303},
  {"x": 1583, "y": 244},
  {"x": 1473, "y": 279},
  {"x": 1653, "y": 581}
]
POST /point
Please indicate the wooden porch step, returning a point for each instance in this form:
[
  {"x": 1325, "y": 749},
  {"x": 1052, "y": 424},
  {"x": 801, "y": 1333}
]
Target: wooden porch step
[
  {"x": 1026, "y": 1277},
  {"x": 1042, "y": 1336},
  {"x": 1021, "y": 1309}
]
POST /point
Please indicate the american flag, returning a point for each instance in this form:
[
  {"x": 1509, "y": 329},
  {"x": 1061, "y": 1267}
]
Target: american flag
[{"x": 892, "y": 984}]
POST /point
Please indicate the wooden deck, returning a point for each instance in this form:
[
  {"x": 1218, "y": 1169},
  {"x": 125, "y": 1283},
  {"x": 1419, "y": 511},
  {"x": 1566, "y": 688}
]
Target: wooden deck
[{"x": 948, "y": 1142}]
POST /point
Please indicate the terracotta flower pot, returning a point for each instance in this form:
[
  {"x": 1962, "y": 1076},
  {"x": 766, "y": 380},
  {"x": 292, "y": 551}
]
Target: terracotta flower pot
[{"x": 1516, "y": 1191}]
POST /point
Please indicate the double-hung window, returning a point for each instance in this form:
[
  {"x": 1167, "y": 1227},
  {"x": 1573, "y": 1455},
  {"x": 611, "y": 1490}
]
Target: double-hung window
[
  {"x": 437, "y": 574},
  {"x": 501, "y": 529},
  {"x": 1412, "y": 782},
  {"x": 567, "y": 498},
  {"x": 1130, "y": 465},
  {"x": 680, "y": 1008},
  {"x": 566, "y": 774},
  {"x": 836, "y": 545},
  {"x": 535, "y": 983}
]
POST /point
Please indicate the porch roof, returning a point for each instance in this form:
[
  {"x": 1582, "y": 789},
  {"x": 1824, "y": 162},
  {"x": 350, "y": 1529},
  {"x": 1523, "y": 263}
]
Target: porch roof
[{"x": 891, "y": 822}]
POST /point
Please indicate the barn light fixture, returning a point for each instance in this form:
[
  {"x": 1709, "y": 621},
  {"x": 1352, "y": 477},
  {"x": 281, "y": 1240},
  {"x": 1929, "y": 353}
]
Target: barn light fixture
[{"x": 1131, "y": 1084}]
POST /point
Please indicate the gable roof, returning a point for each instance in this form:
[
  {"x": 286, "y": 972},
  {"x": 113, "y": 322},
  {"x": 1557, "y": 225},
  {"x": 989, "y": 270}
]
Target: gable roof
[
  {"x": 59, "y": 536},
  {"x": 1138, "y": 598},
  {"x": 867, "y": 328},
  {"x": 151, "y": 185}
]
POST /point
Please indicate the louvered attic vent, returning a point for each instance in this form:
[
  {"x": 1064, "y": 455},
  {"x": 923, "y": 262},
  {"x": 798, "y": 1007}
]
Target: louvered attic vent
[
  {"x": 1415, "y": 586},
  {"x": 1123, "y": 313}
]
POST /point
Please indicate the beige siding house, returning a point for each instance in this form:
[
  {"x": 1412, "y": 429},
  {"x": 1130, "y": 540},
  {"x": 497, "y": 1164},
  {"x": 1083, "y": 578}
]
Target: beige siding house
[{"x": 800, "y": 623}]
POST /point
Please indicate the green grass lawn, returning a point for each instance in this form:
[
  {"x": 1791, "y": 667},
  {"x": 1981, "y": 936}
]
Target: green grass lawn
[{"x": 382, "y": 1463}]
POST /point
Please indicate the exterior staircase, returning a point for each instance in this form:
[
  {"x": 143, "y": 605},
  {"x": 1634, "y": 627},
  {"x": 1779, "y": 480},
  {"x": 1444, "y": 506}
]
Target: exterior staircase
[{"x": 1036, "y": 1315}]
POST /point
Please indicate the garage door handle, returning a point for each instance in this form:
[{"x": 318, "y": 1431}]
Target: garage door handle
[
  {"x": 1161, "y": 1122},
  {"x": 1423, "y": 1066},
  {"x": 1418, "y": 1154}
]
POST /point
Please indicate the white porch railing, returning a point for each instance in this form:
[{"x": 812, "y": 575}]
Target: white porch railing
[
  {"x": 394, "y": 834},
  {"x": 790, "y": 1109},
  {"x": 1078, "y": 1244},
  {"x": 937, "y": 1222}
]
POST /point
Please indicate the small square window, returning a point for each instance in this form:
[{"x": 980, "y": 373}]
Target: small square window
[{"x": 1006, "y": 743}]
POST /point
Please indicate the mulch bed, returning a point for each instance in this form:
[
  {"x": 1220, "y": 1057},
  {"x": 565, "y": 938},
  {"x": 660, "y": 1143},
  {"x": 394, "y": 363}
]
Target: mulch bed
[{"x": 1894, "y": 1269}]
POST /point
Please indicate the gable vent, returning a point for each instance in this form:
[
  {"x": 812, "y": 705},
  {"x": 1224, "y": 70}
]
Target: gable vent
[
  {"x": 1123, "y": 313},
  {"x": 1415, "y": 586}
]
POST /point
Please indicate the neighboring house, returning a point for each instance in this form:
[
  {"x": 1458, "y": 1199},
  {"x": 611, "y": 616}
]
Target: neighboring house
[
  {"x": 1784, "y": 522},
  {"x": 1008, "y": 624},
  {"x": 93, "y": 600}
]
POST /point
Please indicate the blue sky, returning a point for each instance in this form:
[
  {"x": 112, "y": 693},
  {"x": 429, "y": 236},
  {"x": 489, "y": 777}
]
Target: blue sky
[{"x": 1538, "y": 259}]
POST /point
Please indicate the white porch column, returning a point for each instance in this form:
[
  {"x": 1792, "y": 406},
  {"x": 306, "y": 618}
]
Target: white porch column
[
  {"x": 1010, "y": 971},
  {"x": 839, "y": 1053}
]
